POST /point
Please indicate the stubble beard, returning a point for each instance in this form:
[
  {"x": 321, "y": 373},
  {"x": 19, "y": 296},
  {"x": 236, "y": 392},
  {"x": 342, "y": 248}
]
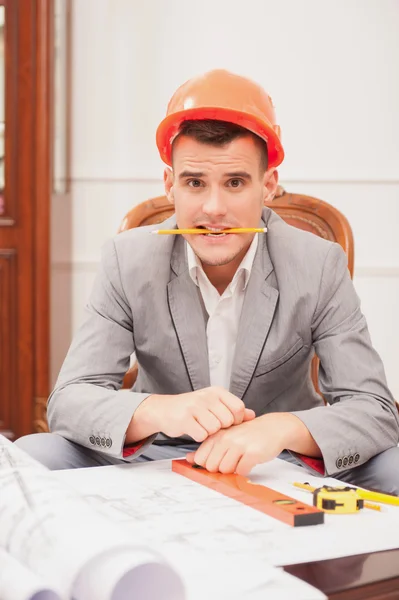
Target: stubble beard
[{"x": 218, "y": 262}]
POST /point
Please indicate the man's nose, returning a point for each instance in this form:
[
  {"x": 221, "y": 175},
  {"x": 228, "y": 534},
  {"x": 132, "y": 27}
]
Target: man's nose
[{"x": 214, "y": 203}]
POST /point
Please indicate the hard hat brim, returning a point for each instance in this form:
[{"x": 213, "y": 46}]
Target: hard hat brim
[{"x": 169, "y": 128}]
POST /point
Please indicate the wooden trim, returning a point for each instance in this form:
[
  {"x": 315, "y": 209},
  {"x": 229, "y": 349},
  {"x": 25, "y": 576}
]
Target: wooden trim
[
  {"x": 9, "y": 215},
  {"x": 26, "y": 224},
  {"x": 323, "y": 216},
  {"x": 8, "y": 328},
  {"x": 21, "y": 189},
  {"x": 40, "y": 415},
  {"x": 43, "y": 127}
]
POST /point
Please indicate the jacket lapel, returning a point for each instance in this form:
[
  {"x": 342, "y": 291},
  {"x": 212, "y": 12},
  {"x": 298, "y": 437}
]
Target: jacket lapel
[
  {"x": 188, "y": 318},
  {"x": 256, "y": 318}
]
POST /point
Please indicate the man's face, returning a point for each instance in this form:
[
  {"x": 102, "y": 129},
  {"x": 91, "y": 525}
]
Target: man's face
[{"x": 220, "y": 188}]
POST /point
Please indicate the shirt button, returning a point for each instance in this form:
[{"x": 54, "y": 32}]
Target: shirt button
[{"x": 214, "y": 359}]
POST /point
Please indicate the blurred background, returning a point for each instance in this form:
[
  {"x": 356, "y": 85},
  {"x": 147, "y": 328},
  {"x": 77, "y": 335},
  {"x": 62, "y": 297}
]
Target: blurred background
[{"x": 101, "y": 73}]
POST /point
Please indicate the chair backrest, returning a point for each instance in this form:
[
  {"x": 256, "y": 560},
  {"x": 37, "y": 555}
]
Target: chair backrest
[{"x": 303, "y": 212}]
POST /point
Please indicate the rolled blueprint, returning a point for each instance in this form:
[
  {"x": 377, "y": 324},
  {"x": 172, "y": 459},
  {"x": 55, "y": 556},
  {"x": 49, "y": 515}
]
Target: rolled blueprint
[{"x": 49, "y": 529}]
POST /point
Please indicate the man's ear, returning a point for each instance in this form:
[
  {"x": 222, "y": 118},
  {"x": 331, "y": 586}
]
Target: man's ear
[
  {"x": 168, "y": 179},
  {"x": 270, "y": 184}
]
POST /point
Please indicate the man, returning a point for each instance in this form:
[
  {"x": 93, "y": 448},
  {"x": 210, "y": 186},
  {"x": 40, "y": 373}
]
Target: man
[{"x": 224, "y": 326}]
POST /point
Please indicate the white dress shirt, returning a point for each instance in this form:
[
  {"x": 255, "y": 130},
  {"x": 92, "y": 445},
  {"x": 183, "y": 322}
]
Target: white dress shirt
[{"x": 224, "y": 313}]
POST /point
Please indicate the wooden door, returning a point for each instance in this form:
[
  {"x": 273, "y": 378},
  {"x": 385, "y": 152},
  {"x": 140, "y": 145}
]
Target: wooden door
[{"x": 24, "y": 213}]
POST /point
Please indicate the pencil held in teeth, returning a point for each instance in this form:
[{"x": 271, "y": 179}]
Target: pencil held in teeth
[{"x": 204, "y": 231}]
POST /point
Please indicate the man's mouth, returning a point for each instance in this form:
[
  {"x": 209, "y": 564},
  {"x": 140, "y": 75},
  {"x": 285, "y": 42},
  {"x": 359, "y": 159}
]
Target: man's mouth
[{"x": 216, "y": 231}]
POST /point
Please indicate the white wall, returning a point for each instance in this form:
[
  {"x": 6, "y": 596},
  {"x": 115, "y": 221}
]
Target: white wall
[{"x": 331, "y": 68}]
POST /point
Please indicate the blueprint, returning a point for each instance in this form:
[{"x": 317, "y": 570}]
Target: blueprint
[
  {"x": 63, "y": 538},
  {"x": 54, "y": 546},
  {"x": 179, "y": 515},
  {"x": 19, "y": 583},
  {"x": 209, "y": 537},
  {"x": 216, "y": 546}
]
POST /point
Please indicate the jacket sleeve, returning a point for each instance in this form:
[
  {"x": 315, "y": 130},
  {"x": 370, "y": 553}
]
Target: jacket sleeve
[
  {"x": 362, "y": 418},
  {"x": 86, "y": 405}
]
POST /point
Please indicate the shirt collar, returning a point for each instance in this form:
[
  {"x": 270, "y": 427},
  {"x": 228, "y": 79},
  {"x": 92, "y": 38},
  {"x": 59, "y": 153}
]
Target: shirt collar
[{"x": 244, "y": 269}]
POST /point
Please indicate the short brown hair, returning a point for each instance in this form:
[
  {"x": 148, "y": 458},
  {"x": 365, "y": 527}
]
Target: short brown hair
[{"x": 221, "y": 133}]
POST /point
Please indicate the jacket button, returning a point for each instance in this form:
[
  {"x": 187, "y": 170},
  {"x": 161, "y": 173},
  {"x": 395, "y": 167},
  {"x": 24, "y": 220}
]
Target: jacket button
[
  {"x": 108, "y": 442},
  {"x": 92, "y": 440},
  {"x": 345, "y": 461},
  {"x": 98, "y": 441},
  {"x": 102, "y": 441},
  {"x": 339, "y": 463},
  {"x": 357, "y": 458},
  {"x": 350, "y": 461}
]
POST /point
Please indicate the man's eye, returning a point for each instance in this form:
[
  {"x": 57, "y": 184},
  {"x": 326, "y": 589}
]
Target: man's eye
[
  {"x": 235, "y": 183},
  {"x": 196, "y": 183}
]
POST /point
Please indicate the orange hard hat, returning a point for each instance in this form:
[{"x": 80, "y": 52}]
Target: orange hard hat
[{"x": 222, "y": 96}]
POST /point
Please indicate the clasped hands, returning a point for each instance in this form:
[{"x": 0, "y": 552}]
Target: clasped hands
[{"x": 233, "y": 439}]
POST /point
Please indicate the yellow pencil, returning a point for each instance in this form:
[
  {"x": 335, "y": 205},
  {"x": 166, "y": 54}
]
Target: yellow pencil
[
  {"x": 203, "y": 231},
  {"x": 372, "y": 506},
  {"x": 378, "y": 497},
  {"x": 304, "y": 486}
]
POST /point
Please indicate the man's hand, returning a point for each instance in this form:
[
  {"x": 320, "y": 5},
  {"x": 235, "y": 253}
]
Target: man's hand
[
  {"x": 240, "y": 448},
  {"x": 198, "y": 414}
]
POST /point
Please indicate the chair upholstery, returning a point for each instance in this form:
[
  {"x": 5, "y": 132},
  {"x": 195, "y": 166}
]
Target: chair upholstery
[{"x": 304, "y": 212}]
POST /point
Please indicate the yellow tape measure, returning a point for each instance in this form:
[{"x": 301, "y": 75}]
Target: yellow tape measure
[
  {"x": 337, "y": 500},
  {"x": 341, "y": 500}
]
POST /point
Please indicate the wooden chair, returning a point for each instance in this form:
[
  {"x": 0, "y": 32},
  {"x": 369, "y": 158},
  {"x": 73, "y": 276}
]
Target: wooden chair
[{"x": 304, "y": 212}]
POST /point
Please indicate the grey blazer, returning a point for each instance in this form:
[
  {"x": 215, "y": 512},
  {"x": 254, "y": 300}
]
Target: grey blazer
[{"x": 299, "y": 300}]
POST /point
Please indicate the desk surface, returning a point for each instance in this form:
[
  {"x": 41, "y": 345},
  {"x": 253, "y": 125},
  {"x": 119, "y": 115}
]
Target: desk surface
[{"x": 179, "y": 517}]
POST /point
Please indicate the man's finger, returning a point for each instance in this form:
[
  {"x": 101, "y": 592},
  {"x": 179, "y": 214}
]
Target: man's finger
[
  {"x": 222, "y": 413},
  {"x": 230, "y": 461},
  {"x": 249, "y": 414},
  {"x": 245, "y": 465},
  {"x": 202, "y": 453},
  {"x": 207, "y": 420},
  {"x": 234, "y": 404},
  {"x": 196, "y": 431},
  {"x": 190, "y": 457},
  {"x": 215, "y": 457}
]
